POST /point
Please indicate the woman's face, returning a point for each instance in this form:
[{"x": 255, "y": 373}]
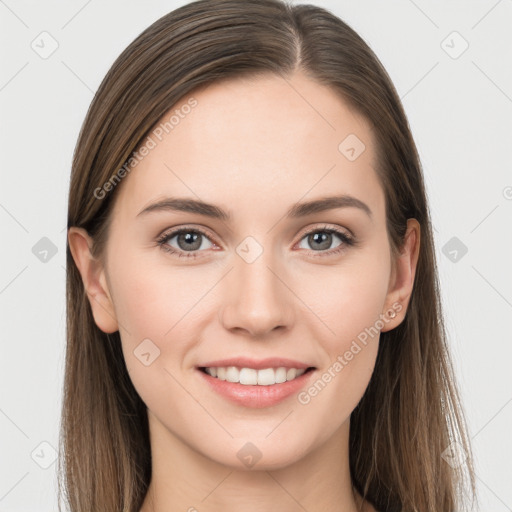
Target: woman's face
[{"x": 255, "y": 280}]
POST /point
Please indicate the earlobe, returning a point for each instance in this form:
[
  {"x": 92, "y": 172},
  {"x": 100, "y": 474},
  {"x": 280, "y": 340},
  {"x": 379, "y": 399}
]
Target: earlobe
[
  {"x": 94, "y": 279},
  {"x": 402, "y": 278}
]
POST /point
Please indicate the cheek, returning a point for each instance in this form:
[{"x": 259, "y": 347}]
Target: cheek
[
  {"x": 351, "y": 351},
  {"x": 153, "y": 299},
  {"x": 350, "y": 301},
  {"x": 349, "y": 298},
  {"x": 160, "y": 309},
  {"x": 149, "y": 310}
]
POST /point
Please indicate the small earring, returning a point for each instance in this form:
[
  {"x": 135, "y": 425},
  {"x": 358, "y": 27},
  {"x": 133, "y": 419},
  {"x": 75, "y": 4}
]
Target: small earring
[{"x": 392, "y": 314}]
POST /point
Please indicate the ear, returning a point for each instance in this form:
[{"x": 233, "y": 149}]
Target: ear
[
  {"x": 94, "y": 279},
  {"x": 402, "y": 277}
]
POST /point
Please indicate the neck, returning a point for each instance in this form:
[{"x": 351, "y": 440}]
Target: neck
[{"x": 185, "y": 480}]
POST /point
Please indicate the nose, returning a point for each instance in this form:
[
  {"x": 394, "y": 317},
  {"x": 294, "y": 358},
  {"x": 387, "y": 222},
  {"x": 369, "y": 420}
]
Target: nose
[{"x": 258, "y": 300}]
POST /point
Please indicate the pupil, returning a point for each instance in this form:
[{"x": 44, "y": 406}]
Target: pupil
[
  {"x": 190, "y": 240},
  {"x": 323, "y": 239}
]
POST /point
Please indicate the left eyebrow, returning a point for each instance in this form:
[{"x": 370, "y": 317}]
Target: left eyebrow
[
  {"x": 327, "y": 203},
  {"x": 296, "y": 211}
]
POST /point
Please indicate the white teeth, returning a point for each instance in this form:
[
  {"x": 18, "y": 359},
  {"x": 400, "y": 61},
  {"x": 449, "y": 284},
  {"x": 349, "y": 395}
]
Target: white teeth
[
  {"x": 280, "y": 375},
  {"x": 291, "y": 373},
  {"x": 251, "y": 377},
  {"x": 266, "y": 377},
  {"x": 232, "y": 374},
  {"x": 248, "y": 376}
]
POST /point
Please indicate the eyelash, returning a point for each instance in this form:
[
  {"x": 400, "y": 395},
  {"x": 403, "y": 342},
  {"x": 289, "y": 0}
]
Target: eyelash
[{"x": 347, "y": 241}]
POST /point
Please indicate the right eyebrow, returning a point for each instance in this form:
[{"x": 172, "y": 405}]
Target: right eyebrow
[{"x": 187, "y": 205}]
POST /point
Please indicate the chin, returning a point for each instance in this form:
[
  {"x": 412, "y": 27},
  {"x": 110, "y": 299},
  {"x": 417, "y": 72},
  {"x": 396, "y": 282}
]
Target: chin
[{"x": 259, "y": 454}]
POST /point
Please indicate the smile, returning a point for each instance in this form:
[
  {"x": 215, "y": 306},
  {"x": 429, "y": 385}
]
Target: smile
[{"x": 254, "y": 377}]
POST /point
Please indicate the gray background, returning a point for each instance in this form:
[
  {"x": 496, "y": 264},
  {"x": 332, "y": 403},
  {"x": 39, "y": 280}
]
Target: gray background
[{"x": 459, "y": 107}]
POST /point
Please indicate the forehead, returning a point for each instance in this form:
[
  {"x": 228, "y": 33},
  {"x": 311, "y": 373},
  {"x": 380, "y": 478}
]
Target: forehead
[{"x": 252, "y": 143}]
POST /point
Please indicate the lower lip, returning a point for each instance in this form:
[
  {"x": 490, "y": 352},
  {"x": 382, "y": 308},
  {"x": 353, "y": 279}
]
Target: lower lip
[{"x": 256, "y": 396}]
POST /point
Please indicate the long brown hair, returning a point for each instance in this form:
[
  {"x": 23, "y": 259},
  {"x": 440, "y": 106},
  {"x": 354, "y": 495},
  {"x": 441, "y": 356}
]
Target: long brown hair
[{"x": 410, "y": 412}]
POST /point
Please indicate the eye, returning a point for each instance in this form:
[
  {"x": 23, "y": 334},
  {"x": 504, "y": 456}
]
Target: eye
[
  {"x": 185, "y": 240},
  {"x": 189, "y": 242},
  {"x": 321, "y": 240}
]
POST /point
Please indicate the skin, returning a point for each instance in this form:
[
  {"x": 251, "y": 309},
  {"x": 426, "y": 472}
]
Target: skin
[{"x": 254, "y": 148}]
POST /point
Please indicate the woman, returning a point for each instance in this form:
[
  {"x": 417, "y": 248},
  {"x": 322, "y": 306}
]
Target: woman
[{"x": 218, "y": 358}]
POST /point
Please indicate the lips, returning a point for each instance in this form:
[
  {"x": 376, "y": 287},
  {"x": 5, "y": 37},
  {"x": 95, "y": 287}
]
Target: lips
[
  {"x": 256, "y": 383},
  {"x": 257, "y": 364}
]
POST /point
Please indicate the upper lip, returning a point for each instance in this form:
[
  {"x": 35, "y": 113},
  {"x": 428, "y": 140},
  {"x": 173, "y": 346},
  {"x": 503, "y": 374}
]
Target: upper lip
[{"x": 257, "y": 364}]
